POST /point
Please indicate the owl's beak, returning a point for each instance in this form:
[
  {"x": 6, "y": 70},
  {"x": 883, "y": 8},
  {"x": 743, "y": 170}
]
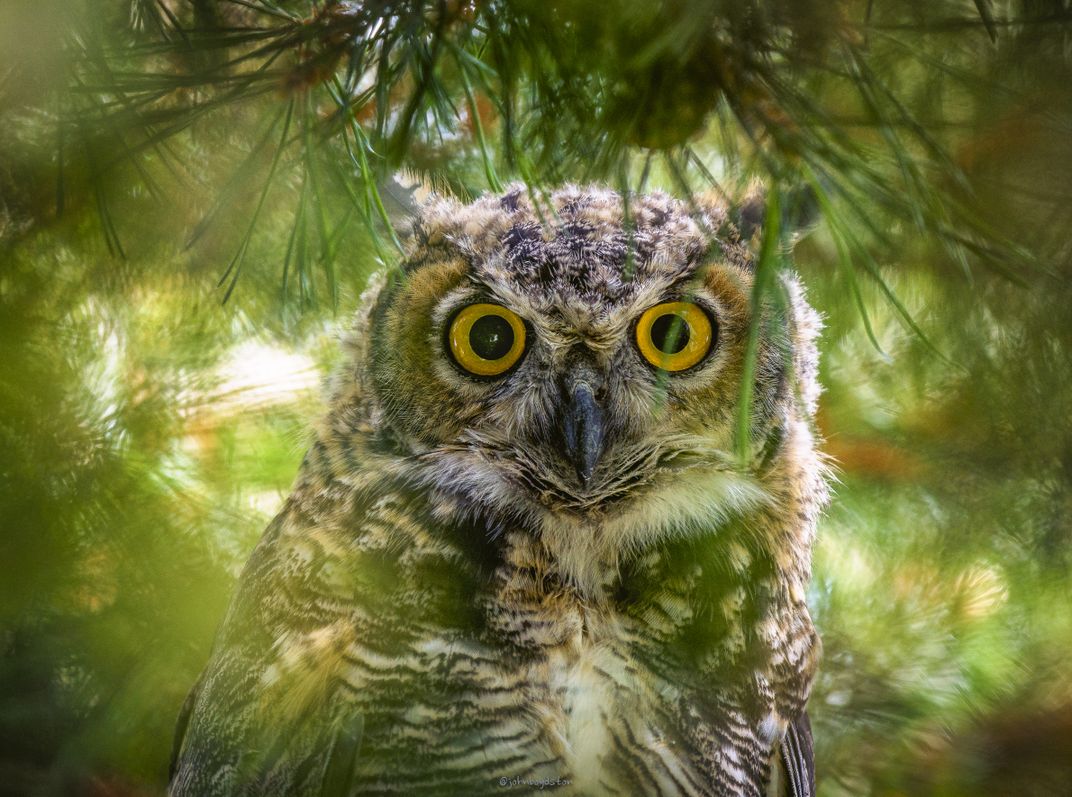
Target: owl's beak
[{"x": 583, "y": 430}]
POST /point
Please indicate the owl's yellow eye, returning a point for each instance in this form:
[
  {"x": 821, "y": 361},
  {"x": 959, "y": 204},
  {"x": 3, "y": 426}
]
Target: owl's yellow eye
[
  {"x": 674, "y": 335},
  {"x": 486, "y": 339}
]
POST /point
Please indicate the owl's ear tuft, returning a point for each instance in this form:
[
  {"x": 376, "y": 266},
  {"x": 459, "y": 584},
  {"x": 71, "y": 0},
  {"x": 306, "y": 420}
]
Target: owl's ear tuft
[
  {"x": 799, "y": 212},
  {"x": 750, "y": 212},
  {"x": 400, "y": 201}
]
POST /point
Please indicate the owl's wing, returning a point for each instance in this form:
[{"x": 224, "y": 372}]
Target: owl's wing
[
  {"x": 267, "y": 715},
  {"x": 796, "y": 760},
  {"x": 340, "y": 741}
]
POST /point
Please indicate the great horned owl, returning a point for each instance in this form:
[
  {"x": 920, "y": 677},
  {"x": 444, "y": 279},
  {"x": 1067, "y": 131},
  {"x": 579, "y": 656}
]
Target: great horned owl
[{"x": 524, "y": 550}]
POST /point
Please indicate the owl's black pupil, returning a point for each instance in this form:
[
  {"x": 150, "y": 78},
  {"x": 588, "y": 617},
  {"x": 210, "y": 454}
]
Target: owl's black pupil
[
  {"x": 491, "y": 337},
  {"x": 670, "y": 333}
]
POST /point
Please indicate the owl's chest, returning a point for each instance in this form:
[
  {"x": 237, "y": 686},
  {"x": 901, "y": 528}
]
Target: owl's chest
[
  {"x": 605, "y": 716},
  {"x": 598, "y": 715},
  {"x": 546, "y": 684}
]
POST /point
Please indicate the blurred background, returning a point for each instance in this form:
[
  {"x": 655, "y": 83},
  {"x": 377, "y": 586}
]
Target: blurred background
[{"x": 193, "y": 193}]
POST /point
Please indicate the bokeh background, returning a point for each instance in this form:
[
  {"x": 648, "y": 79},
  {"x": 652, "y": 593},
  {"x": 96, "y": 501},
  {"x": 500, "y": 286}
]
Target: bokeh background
[{"x": 193, "y": 192}]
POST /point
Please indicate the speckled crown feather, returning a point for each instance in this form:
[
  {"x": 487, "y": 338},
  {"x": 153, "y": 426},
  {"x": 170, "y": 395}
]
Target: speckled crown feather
[{"x": 586, "y": 244}]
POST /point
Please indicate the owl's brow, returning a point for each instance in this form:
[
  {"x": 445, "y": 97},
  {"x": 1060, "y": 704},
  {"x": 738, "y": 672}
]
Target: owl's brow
[{"x": 431, "y": 254}]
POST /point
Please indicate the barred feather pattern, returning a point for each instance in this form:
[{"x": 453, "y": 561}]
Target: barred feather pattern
[{"x": 439, "y": 609}]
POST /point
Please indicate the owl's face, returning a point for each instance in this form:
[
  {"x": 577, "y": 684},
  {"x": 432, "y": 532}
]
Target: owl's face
[{"x": 575, "y": 371}]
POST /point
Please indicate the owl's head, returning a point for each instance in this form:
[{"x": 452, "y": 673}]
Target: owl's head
[{"x": 577, "y": 368}]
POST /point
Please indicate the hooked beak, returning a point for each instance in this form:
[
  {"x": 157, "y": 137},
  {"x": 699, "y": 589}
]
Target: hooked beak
[{"x": 583, "y": 430}]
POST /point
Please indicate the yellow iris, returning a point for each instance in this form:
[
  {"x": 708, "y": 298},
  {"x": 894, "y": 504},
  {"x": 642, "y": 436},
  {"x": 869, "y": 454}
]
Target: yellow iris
[
  {"x": 674, "y": 335},
  {"x": 486, "y": 339}
]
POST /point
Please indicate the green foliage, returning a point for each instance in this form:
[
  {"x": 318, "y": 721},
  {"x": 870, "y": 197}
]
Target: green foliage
[{"x": 193, "y": 193}]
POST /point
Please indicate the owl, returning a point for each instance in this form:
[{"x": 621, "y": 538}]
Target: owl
[{"x": 532, "y": 545}]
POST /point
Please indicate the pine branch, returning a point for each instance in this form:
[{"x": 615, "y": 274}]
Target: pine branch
[{"x": 471, "y": 95}]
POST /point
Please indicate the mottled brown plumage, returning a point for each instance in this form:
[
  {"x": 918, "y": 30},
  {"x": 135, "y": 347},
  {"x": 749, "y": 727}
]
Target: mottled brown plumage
[{"x": 450, "y": 601}]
